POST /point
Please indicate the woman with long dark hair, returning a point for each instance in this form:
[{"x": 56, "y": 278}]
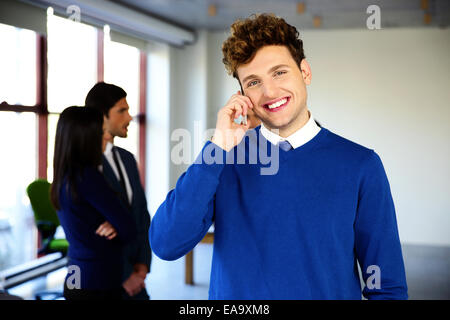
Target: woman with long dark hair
[{"x": 85, "y": 202}]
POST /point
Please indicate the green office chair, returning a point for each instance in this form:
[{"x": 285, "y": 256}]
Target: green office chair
[
  {"x": 46, "y": 221},
  {"x": 45, "y": 216}
]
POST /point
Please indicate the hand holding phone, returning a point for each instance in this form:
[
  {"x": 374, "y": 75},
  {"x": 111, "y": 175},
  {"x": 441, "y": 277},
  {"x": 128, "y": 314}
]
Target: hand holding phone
[{"x": 232, "y": 122}]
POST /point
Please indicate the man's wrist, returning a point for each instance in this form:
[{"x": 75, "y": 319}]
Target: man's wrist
[
  {"x": 214, "y": 140},
  {"x": 220, "y": 144},
  {"x": 141, "y": 269}
]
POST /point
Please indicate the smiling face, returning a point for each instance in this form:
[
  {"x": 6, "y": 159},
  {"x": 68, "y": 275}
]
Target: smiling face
[
  {"x": 118, "y": 119},
  {"x": 277, "y": 88}
]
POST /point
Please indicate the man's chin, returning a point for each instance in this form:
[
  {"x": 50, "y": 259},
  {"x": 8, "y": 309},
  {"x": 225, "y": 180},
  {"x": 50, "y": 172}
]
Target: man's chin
[
  {"x": 275, "y": 125},
  {"x": 120, "y": 135}
]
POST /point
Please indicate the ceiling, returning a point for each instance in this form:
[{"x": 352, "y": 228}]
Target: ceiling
[{"x": 333, "y": 14}]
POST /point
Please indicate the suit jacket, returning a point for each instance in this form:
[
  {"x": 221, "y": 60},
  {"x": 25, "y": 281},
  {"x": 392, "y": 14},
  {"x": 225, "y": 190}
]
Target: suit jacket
[
  {"x": 97, "y": 258},
  {"x": 138, "y": 250}
]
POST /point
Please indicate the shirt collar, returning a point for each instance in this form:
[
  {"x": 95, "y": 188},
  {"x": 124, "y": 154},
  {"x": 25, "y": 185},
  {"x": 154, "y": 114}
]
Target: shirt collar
[
  {"x": 108, "y": 148},
  {"x": 298, "y": 138}
]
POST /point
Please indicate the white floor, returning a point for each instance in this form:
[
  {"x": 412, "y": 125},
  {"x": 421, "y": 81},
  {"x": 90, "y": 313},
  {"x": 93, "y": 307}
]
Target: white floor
[{"x": 166, "y": 279}]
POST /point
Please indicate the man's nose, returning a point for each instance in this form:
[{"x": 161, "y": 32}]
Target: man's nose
[
  {"x": 129, "y": 117},
  {"x": 269, "y": 89}
]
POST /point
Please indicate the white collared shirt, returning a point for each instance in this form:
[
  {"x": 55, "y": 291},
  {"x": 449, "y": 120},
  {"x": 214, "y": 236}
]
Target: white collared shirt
[
  {"x": 109, "y": 156},
  {"x": 298, "y": 138}
]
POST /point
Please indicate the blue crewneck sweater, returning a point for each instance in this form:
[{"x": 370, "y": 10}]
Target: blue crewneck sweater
[{"x": 295, "y": 234}]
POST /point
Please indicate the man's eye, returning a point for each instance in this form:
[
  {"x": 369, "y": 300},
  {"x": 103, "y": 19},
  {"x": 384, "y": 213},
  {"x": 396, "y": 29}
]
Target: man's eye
[
  {"x": 279, "y": 73},
  {"x": 252, "y": 83}
]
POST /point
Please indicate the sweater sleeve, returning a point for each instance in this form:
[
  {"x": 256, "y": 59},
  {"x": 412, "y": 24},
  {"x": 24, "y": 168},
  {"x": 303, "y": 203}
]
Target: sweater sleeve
[
  {"x": 377, "y": 241},
  {"x": 185, "y": 216},
  {"x": 95, "y": 190}
]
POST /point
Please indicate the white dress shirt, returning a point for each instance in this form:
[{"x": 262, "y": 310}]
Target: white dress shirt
[
  {"x": 109, "y": 156},
  {"x": 298, "y": 138}
]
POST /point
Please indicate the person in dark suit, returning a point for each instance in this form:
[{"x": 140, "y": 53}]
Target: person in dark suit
[
  {"x": 84, "y": 201},
  {"x": 120, "y": 169}
]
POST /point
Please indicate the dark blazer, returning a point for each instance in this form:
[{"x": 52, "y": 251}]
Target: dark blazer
[
  {"x": 97, "y": 257},
  {"x": 138, "y": 250}
]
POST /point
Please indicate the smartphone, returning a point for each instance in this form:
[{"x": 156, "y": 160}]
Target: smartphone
[{"x": 241, "y": 120}]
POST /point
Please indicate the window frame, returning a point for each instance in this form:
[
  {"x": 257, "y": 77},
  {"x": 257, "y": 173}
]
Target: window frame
[{"x": 41, "y": 106}]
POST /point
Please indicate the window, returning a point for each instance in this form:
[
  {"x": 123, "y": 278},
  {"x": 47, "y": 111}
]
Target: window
[
  {"x": 52, "y": 122},
  {"x": 17, "y": 66},
  {"x": 18, "y": 165},
  {"x": 74, "y": 64},
  {"x": 122, "y": 69},
  {"x": 72, "y": 70},
  {"x": 17, "y": 170}
]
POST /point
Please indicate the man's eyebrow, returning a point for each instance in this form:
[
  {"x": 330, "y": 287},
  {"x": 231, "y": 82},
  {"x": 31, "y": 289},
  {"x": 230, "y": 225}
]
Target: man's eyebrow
[
  {"x": 249, "y": 77},
  {"x": 278, "y": 67},
  {"x": 270, "y": 71}
]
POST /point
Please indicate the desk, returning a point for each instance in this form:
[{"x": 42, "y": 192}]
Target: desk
[{"x": 189, "y": 261}]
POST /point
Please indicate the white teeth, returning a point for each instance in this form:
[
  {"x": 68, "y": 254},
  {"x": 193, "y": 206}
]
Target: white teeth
[{"x": 277, "y": 104}]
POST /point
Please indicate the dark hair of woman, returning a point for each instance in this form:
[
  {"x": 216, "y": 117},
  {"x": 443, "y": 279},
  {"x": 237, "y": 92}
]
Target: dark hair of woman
[{"x": 78, "y": 145}]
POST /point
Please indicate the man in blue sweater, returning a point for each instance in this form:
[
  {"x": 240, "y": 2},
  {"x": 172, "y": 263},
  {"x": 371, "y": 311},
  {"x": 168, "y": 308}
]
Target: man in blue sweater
[{"x": 297, "y": 232}]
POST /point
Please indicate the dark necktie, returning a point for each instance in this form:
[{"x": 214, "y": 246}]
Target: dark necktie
[
  {"x": 285, "y": 145},
  {"x": 121, "y": 179}
]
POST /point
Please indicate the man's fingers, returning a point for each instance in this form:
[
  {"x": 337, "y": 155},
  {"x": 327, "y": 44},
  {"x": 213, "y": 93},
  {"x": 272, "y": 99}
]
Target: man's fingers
[
  {"x": 134, "y": 284},
  {"x": 106, "y": 230},
  {"x": 130, "y": 292},
  {"x": 99, "y": 229},
  {"x": 112, "y": 236},
  {"x": 247, "y": 101},
  {"x": 244, "y": 99},
  {"x": 244, "y": 109},
  {"x": 238, "y": 104},
  {"x": 233, "y": 108},
  {"x": 244, "y": 104},
  {"x": 108, "y": 233},
  {"x": 238, "y": 110}
]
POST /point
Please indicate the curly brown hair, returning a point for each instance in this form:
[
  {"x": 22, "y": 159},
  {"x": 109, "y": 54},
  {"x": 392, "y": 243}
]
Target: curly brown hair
[{"x": 259, "y": 30}]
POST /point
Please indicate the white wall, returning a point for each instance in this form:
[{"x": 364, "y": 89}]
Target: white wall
[
  {"x": 385, "y": 89},
  {"x": 221, "y": 86},
  {"x": 390, "y": 91},
  {"x": 188, "y": 92},
  {"x": 158, "y": 126}
]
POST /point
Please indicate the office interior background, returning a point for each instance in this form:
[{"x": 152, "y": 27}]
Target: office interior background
[{"x": 383, "y": 86}]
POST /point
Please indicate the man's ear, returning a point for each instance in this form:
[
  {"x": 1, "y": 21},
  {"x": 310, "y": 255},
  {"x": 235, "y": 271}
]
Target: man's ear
[{"x": 306, "y": 71}]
